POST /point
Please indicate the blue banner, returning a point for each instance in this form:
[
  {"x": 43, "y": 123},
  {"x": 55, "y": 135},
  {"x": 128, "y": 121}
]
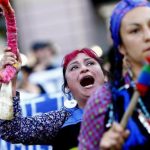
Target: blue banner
[{"x": 36, "y": 105}]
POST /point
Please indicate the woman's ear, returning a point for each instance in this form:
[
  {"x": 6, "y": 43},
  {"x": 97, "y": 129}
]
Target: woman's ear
[
  {"x": 122, "y": 50},
  {"x": 106, "y": 78}
]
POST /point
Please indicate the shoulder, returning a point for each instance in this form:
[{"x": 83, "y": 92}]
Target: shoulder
[
  {"x": 98, "y": 103},
  {"x": 74, "y": 117},
  {"x": 104, "y": 89},
  {"x": 101, "y": 96}
]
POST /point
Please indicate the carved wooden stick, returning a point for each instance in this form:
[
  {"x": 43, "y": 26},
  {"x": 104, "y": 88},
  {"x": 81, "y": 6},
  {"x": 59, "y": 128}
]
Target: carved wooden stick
[
  {"x": 130, "y": 109},
  {"x": 6, "y": 104},
  {"x": 8, "y": 73}
]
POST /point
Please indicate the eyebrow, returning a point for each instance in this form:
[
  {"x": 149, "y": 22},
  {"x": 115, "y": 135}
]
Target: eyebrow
[
  {"x": 134, "y": 24},
  {"x": 76, "y": 62},
  {"x": 137, "y": 23}
]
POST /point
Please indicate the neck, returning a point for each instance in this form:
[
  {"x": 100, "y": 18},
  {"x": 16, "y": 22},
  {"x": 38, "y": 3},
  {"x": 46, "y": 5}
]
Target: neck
[
  {"x": 82, "y": 103},
  {"x": 136, "y": 69}
]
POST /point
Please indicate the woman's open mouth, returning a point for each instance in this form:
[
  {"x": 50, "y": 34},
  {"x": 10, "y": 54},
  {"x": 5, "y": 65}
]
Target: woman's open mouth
[{"x": 87, "y": 81}]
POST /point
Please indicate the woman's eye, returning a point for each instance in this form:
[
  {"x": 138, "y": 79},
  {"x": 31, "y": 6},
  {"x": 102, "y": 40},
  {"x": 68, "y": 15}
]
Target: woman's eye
[
  {"x": 90, "y": 63},
  {"x": 73, "y": 68},
  {"x": 134, "y": 31}
]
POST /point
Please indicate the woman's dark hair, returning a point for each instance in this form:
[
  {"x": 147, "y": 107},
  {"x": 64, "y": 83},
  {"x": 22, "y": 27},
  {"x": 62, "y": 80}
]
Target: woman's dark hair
[
  {"x": 71, "y": 56},
  {"x": 114, "y": 57}
]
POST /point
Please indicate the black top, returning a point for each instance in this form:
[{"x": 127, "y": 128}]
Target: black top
[{"x": 67, "y": 137}]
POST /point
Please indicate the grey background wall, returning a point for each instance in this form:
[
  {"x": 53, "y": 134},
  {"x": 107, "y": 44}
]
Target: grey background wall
[{"x": 70, "y": 24}]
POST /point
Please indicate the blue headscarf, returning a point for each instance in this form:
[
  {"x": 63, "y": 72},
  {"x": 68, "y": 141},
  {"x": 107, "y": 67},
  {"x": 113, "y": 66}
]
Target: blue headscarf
[{"x": 121, "y": 9}]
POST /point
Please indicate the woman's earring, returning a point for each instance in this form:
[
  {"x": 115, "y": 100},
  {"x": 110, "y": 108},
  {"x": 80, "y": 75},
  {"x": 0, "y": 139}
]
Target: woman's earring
[
  {"x": 127, "y": 71},
  {"x": 68, "y": 93},
  {"x": 69, "y": 96}
]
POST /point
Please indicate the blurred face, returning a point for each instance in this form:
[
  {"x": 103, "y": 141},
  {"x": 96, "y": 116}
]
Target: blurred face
[
  {"x": 135, "y": 35},
  {"x": 43, "y": 54},
  {"x": 84, "y": 75}
]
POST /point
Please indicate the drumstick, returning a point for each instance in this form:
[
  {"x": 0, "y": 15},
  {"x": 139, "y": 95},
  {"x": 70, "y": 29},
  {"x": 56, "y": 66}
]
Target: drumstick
[{"x": 130, "y": 109}]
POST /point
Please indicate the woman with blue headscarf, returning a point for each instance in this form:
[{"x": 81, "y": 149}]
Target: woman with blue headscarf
[{"x": 130, "y": 31}]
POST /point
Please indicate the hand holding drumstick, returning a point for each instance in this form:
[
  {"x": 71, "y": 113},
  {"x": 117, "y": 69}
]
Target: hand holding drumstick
[{"x": 114, "y": 138}]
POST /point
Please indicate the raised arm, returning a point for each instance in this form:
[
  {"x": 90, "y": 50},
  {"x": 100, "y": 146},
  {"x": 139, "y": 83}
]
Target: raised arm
[{"x": 39, "y": 129}]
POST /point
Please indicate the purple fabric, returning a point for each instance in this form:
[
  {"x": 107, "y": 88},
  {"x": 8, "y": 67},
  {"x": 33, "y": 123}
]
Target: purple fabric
[
  {"x": 92, "y": 127},
  {"x": 121, "y": 9}
]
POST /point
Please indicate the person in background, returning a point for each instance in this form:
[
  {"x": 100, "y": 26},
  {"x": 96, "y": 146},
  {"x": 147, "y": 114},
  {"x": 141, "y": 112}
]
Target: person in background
[
  {"x": 130, "y": 30},
  {"x": 24, "y": 85},
  {"x": 44, "y": 53},
  {"x": 83, "y": 74}
]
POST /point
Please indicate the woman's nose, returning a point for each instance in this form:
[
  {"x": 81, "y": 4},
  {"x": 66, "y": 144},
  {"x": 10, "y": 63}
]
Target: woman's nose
[
  {"x": 147, "y": 34},
  {"x": 84, "y": 69}
]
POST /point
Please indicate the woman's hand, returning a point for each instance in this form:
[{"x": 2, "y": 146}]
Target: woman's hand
[
  {"x": 114, "y": 138},
  {"x": 10, "y": 58}
]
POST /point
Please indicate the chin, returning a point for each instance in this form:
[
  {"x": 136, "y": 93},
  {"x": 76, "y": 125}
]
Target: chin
[{"x": 90, "y": 93}]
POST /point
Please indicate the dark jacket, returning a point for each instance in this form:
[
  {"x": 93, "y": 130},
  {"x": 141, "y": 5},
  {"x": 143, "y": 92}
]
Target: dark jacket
[{"x": 57, "y": 128}]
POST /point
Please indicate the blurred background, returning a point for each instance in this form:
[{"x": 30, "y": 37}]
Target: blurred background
[{"x": 70, "y": 24}]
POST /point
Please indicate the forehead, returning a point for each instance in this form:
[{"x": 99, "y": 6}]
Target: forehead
[
  {"x": 79, "y": 58},
  {"x": 137, "y": 15}
]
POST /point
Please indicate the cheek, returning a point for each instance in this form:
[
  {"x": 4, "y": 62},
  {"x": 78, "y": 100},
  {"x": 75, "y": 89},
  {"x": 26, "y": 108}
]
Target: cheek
[
  {"x": 71, "y": 79},
  {"x": 130, "y": 41},
  {"x": 133, "y": 48},
  {"x": 72, "y": 86},
  {"x": 100, "y": 76}
]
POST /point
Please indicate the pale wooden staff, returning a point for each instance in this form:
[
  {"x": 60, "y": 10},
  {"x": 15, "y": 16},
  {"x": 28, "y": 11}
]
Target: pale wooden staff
[
  {"x": 130, "y": 109},
  {"x": 7, "y": 74}
]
